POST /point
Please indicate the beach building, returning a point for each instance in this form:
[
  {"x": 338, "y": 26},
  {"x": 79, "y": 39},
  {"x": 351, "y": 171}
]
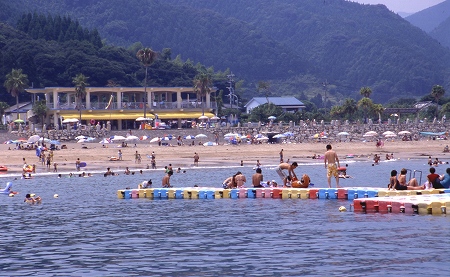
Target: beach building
[
  {"x": 288, "y": 104},
  {"x": 121, "y": 106}
]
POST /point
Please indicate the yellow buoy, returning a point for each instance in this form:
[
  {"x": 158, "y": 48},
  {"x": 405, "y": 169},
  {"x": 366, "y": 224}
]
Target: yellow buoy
[
  {"x": 342, "y": 209},
  {"x": 56, "y": 196}
]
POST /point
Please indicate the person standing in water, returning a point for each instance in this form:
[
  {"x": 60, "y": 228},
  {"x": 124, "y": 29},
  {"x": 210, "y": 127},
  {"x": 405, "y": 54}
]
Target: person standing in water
[{"x": 331, "y": 161}]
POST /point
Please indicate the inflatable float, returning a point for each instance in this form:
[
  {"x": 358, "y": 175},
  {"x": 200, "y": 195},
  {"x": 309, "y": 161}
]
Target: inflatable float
[
  {"x": 27, "y": 168},
  {"x": 303, "y": 183},
  {"x": 3, "y": 168},
  {"x": 8, "y": 190}
]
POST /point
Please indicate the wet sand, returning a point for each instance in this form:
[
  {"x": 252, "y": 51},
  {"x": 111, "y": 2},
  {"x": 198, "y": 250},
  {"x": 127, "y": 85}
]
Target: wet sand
[{"x": 98, "y": 158}]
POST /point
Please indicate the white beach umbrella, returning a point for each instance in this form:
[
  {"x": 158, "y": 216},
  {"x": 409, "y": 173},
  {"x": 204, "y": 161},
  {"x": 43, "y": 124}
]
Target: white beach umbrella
[
  {"x": 388, "y": 133},
  {"x": 118, "y": 138},
  {"x": 203, "y": 117},
  {"x": 279, "y": 136},
  {"x": 370, "y": 134},
  {"x": 343, "y": 134},
  {"x": 143, "y": 119},
  {"x": 105, "y": 141},
  {"x": 262, "y": 138},
  {"x": 33, "y": 139},
  {"x": 155, "y": 140},
  {"x": 70, "y": 120},
  {"x": 80, "y": 137},
  {"x": 200, "y": 136},
  {"x": 209, "y": 143},
  {"x": 189, "y": 137},
  {"x": 131, "y": 138},
  {"x": 404, "y": 133},
  {"x": 229, "y": 135}
]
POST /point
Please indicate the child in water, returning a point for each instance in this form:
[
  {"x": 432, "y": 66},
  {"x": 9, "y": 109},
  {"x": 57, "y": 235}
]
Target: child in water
[{"x": 32, "y": 200}]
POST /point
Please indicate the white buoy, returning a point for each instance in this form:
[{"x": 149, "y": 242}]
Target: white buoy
[{"x": 56, "y": 196}]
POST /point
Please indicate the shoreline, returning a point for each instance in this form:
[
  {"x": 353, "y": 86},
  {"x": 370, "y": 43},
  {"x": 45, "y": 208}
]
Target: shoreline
[{"x": 97, "y": 157}]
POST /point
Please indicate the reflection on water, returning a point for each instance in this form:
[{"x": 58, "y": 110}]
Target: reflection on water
[{"x": 87, "y": 231}]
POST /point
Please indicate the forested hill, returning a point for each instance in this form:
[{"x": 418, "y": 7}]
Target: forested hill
[
  {"x": 343, "y": 43},
  {"x": 435, "y": 21},
  {"x": 200, "y": 35},
  {"x": 351, "y": 44}
]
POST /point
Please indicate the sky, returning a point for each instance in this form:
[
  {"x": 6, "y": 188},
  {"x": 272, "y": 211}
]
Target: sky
[{"x": 405, "y": 6}]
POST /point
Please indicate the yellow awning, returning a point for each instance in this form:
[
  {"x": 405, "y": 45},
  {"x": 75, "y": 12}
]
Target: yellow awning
[
  {"x": 182, "y": 115},
  {"x": 86, "y": 115},
  {"x": 106, "y": 115}
]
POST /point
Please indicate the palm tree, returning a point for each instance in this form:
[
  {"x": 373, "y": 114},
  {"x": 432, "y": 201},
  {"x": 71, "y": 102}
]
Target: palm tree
[
  {"x": 349, "y": 107},
  {"x": 437, "y": 92},
  {"x": 15, "y": 83},
  {"x": 365, "y": 92},
  {"x": 378, "y": 109},
  {"x": 366, "y": 105},
  {"x": 202, "y": 86},
  {"x": 80, "y": 82},
  {"x": 147, "y": 57}
]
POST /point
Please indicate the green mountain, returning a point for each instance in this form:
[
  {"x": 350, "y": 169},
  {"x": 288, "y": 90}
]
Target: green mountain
[
  {"x": 435, "y": 21},
  {"x": 431, "y": 18},
  {"x": 296, "y": 45},
  {"x": 442, "y": 33}
]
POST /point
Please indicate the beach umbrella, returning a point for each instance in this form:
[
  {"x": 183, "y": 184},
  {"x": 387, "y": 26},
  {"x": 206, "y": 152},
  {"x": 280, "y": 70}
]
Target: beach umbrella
[
  {"x": 19, "y": 121},
  {"x": 154, "y": 140},
  {"x": 262, "y": 138},
  {"x": 209, "y": 143},
  {"x": 272, "y": 117},
  {"x": 189, "y": 137},
  {"x": 131, "y": 138},
  {"x": 143, "y": 138},
  {"x": 166, "y": 138},
  {"x": 343, "y": 134},
  {"x": 370, "y": 134},
  {"x": 33, "y": 139},
  {"x": 117, "y": 138},
  {"x": 143, "y": 119},
  {"x": 404, "y": 133},
  {"x": 200, "y": 136},
  {"x": 105, "y": 141},
  {"x": 46, "y": 140},
  {"x": 388, "y": 133},
  {"x": 215, "y": 118},
  {"x": 80, "y": 137},
  {"x": 203, "y": 117},
  {"x": 281, "y": 136},
  {"x": 70, "y": 120},
  {"x": 8, "y": 142},
  {"x": 229, "y": 135}
]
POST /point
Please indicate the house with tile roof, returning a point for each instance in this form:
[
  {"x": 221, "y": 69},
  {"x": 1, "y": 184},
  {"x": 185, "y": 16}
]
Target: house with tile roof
[{"x": 288, "y": 104}]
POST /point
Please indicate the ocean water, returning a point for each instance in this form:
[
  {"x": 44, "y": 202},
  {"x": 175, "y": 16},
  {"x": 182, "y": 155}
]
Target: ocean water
[{"x": 88, "y": 231}]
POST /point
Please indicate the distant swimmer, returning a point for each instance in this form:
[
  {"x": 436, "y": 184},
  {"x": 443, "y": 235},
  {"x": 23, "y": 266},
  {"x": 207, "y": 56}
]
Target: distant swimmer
[
  {"x": 166, "y": 180},
  {"x": 331, "y": 161},
  {"x": 32, "y": 200},
  {"x": 290, "y": 170},
  {"x": 257, "y": 179},
  {"x": 145, "y": 184}
]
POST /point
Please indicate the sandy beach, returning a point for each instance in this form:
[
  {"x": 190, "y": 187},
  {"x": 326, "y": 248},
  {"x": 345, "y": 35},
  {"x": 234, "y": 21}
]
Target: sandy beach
[{"x": 98, "y": 158}]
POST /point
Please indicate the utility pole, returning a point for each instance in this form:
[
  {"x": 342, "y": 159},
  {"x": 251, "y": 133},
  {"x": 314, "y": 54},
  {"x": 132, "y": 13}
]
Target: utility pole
[
  {"x": 231, "y": 88},
  {"x": 325, "y": 86}
]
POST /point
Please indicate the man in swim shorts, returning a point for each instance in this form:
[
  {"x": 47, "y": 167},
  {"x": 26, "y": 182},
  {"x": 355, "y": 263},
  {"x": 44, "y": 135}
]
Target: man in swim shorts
[
  {"x": 331, "y": 161},
  {"x": 289, "y": 167}
]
